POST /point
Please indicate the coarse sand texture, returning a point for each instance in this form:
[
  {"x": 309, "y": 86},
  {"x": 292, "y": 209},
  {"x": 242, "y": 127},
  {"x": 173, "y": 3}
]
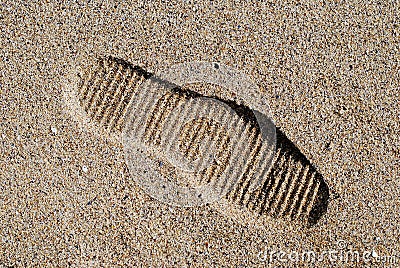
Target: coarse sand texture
[{"x": 291, "y": 187}]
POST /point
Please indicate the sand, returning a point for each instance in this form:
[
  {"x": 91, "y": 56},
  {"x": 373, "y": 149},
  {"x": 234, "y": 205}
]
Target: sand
[{"x": 330, "y": 72}]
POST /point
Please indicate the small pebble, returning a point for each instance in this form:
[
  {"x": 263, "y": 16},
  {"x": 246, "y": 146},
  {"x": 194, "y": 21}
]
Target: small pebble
[
  {"x": 85, "y": 169},
  {"x": 374, "y": 254},
  {"x": 54, "y": 130}
]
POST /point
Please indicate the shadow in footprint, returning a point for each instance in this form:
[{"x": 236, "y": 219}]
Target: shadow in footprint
[
  {"x": 292, "y": 189},
  {"x": 319, "y": 202}
]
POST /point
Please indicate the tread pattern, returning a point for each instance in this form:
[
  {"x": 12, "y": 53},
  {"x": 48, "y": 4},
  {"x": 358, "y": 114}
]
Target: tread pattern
[{"x": 292, "y": 188}]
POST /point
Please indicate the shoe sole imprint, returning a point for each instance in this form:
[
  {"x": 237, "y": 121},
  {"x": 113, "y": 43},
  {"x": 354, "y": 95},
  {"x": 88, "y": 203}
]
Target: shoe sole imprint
[{"x": 292, "y": 188}]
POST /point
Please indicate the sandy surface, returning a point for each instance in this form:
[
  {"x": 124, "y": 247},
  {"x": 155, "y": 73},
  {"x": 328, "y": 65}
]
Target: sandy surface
[{"x": 332, "y": 75}]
